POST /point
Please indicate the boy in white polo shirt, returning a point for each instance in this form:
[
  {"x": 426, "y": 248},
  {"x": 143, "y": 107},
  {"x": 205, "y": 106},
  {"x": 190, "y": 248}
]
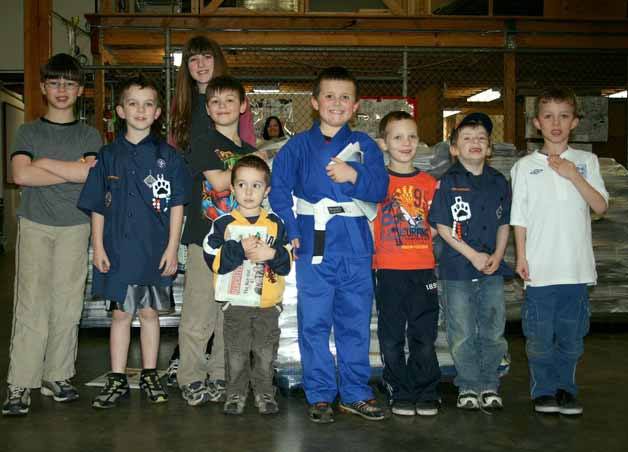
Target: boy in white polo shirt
[{"x": 553, "y": 189}]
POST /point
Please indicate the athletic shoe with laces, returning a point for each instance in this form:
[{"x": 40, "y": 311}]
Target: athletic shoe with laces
[
  {"x": 366, "y": 409},
  {"x": 427, "y": 407},
  {"x": 18, "y": 401},
  {"x": 568, "y": 404},
  {"x": 235, "y": 404},
  {"x": 217, "y": 390},
  {"x": 60, "y": 391},
  {"x": 402, "y": 408},
  {"x": 116, "y": 387},
  {"x": 321, "y": 413},
  {"x": 468, "y": 400},
  {"x": 491, "y": 400},
  {"x": 195, "y": 393},
  {"x": 266, "y": 404},
  {"x": 152, "y": 387},
  {"x": 546, "y": 404},
  {"x": 171, "y": 373}
]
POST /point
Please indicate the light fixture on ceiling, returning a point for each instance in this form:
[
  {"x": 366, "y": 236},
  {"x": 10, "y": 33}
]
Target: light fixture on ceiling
[
  {"x": 448, "y": 113},
  {"x": 177, "y": 57},
  {"x": 619, "y": 95},
  {"x": 271, "y": 88},
  {"x": 488, "y": 95}
]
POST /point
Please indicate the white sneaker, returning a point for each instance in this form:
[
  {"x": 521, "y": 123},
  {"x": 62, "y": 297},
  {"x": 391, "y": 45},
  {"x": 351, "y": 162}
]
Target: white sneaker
[
  {"x": 490, "y": 400},
  {"x": 468, "y": 400}
]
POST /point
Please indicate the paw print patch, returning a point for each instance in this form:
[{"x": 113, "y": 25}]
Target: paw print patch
[
  {"x": 461, "y": 212},
  {"x": 161, "y": 193}
]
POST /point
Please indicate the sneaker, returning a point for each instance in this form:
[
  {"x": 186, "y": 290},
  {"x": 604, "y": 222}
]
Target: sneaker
[
  {"x": 402, "y": 408},
  {"x": 151, "y": 386},
  {"x": 235, "y": 404},
  {"x": 568, "y": 404},
  {"x": 321, "y": 413},
  {"x": 171, "y": 373},
  {"x": 427, "y": 407},
  {"x": 217, "y": 390},
  {"x": 546, "y": 404},
  {"x": 468, "y": 400},
  {"x": 115, "y": 388},
  {"x": 61, "y": 391},
  {"x": 490, "y": 400},
  {"x": 18, "y": 401},
  {"x": 367, "y": 409},
  {"x": 266, "y": 404},
  {"x": 195, "y": 393}
]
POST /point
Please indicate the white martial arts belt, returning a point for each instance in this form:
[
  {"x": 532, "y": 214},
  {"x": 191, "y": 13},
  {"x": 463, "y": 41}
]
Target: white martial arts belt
[{"x": 323, "y": 211}]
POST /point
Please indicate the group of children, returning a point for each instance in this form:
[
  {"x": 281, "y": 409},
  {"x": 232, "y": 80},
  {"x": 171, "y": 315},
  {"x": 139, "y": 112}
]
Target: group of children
[{"x": 135, "y": 194}]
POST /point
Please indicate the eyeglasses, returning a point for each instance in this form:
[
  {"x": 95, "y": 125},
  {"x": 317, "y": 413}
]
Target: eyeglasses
[{"x": 57, "y": 85}]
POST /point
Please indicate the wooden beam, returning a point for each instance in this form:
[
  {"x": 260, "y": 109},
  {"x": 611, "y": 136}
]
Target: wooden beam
[
  {"x": 430, "y": 115},
  {"x": 37, "y": 50},
  {"x": 106, "y": 7},
  {"x": 394, "y": 7},
  {"x": 212, "y": 7},
  {"x": 509, "y": 97}
]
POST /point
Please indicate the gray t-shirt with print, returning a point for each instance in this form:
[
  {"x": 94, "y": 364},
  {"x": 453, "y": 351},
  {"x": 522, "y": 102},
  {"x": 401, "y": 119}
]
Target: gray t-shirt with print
[{"x": 55, "y": 205}]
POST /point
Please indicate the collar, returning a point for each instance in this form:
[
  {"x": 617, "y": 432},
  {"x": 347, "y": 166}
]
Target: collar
[
  {"x": 458, "y": 168},
  {"x": 319, "y": 140},
  {"x": 541, "y": 156},
  {"x": 64, "y": 124},
  {"x": 235, "y": 213},
  {"x": 148, "y": 139},
  {"x": 412, "y": 174}
]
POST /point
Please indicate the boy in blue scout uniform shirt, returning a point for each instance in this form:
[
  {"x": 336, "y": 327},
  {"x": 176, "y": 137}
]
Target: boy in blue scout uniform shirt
[
  {"x": 333, "y": 262},
  {"x": 471, "y": 211},
  {"x": 135, "y": 195}
]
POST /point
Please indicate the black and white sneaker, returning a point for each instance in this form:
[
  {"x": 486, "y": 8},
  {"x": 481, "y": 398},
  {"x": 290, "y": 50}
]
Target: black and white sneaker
[
  {"x": 115, "y": 388},
  {"x": 568, "y": 404},
  {"x": 217, "y": 390},
  {"x": 266, "y": 404},
  {"x": 427, "y": 407},
  {"x": 402, "y": 408},
  {"x": 171, "y": 373},
  {"x": 468, "y": 400},
  {"x": 546, "y": 404},
  {"x": 366, "y": 409},
  {"x": 235, "y": 404},
  {"x": 18, "y": 401},
  {"x": 491, "y": 400},
  {"x": 151, "y": 386},
  {"x": 195, "y": 393},
  {"x": 60, "y": 391}
]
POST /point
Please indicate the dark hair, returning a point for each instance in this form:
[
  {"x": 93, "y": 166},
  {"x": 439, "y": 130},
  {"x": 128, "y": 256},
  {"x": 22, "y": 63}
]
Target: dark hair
[
  {"x": 140, "y": 81},
  {"x": 186, "y": 86},
  {"x": 473, "y": 120},
  {"x": 251, "y": 161},
  {"x": 556, "y": 94},
  {"x": 334, "y": 73},
  {"x": 267, "y": 124},
  {"x": 225, "y": 83},
  {"x": 398, "y": 115},
  {"x": 64, "y": 66}
]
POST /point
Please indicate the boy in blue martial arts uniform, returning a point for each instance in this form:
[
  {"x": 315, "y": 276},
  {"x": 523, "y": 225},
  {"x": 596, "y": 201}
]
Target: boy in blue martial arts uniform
[
  {"x": 333, "y": 246},
  {"x": 135, "y": 195}
]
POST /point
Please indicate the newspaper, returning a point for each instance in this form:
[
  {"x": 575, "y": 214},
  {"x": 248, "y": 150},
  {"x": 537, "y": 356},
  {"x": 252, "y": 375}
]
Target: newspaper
[
  {"x": 242, "y": 286},
  {"x": 353, "y": 153}
]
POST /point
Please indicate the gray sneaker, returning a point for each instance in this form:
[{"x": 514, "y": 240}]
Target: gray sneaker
[
  {"x": 195, "y": 393},
  {"x": 266, "y": 404},
  {"x": 568, "y": 404},
  {"x": 18, "y": 401},
  {"x": 171, "y": 373},
  {"x": 116, "y": 388},
  {"x": 152, "y": 387},
  {"x": 217, "y": 390},
  {"x": 60, "y": 391},
  {"x": 235, "y": 404}
]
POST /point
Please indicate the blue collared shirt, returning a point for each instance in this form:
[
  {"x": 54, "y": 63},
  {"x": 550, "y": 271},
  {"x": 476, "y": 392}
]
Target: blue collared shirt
[
  {"x": 134, "y": 186},
  {"x": 487, "y": 199}
]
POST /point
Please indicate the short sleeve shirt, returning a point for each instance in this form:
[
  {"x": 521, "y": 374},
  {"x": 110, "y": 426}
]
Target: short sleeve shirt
[
  {"x": 474, "y": 207},
  {"x": 54, "y": 205}
]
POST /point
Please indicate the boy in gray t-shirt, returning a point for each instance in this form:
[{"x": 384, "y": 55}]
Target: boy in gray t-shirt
[{"x": 51, "y": 159}]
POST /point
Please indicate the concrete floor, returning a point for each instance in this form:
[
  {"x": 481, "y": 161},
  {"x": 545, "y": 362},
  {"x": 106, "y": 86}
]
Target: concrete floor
[{"x": 138, "y": 426}]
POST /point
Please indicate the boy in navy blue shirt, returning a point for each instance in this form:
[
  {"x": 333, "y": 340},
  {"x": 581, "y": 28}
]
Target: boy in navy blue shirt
[
  {"x": 135, "y": 195},
  {"x": 471, "y": 211}
]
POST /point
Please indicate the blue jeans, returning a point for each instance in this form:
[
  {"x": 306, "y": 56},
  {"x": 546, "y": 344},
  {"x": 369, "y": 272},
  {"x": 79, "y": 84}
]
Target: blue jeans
[
  {"x": 476, "y": 319},
  {"x": 555, "y": 320}
]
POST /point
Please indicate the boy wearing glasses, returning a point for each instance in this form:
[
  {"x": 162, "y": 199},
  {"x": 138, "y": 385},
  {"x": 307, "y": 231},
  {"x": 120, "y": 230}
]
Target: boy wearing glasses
[{"x": 50, "y": 161}]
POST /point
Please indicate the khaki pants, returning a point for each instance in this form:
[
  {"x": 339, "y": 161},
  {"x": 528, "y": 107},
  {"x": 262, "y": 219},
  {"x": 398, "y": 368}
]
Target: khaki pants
[
  {"x": 200, "y": 317},
  {"x": 50, "y": 272}
]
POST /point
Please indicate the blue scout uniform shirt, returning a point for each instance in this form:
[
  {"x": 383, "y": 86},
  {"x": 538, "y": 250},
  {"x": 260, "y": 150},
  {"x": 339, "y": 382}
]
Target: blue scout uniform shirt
[
  {"x": 481, "y": 204},
  {"x": 299, "y": 168},
  {"x": 134, "y": 186}
]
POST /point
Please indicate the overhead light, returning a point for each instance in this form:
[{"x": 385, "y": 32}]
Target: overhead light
[
  {"x": 272, "y": 88},
  {"x": 619, "y": 95},
  {"x": 488, "y": 95},
  {"x": 177, "y": 57},
  {"x": 448, "y": 113}
]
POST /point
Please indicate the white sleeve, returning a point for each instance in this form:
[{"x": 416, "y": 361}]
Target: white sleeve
[
  {"x": 518, "y": 208},
  {"x": 594, "y": 177}
]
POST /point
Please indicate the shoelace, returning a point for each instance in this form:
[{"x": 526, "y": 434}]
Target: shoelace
[
  {"x": 267, "y": 398},
  {"x": 16, "y": 392},
  {"x": 64, "y": 385},
  {"x": 151, "y": 382}
]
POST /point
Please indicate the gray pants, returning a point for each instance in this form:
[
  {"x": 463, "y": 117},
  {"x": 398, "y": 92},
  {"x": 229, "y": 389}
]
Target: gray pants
[
  {"x": 201, "y": 317},
  {"x": 251, "y": 331}
]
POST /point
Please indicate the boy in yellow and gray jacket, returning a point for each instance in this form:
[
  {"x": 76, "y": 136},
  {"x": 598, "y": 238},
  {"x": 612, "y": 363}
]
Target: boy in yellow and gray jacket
[{"x": 248, "y": 252}]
